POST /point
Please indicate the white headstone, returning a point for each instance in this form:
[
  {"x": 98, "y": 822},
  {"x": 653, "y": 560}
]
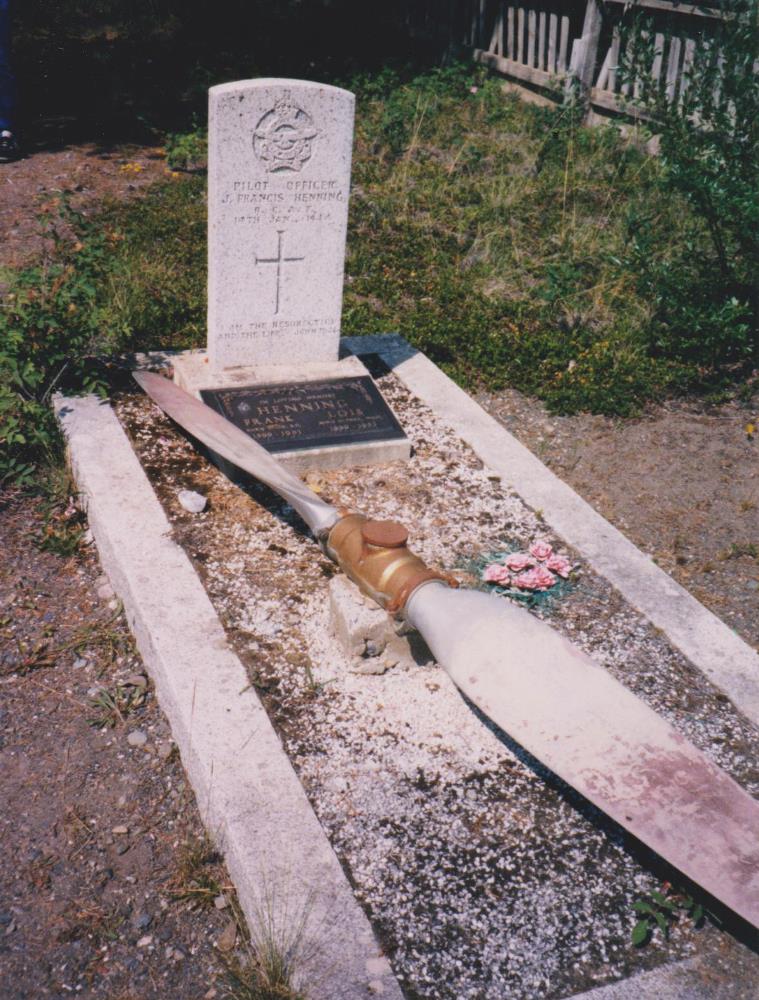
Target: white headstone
[{"x": 278, "y": 183}]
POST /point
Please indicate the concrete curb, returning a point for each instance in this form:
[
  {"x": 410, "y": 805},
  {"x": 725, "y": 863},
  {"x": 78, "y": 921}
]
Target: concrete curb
[
  {"x": 684, "y": 980},
  {"x": 249, "y": 796},
  {"x": 710, "y": 645}
]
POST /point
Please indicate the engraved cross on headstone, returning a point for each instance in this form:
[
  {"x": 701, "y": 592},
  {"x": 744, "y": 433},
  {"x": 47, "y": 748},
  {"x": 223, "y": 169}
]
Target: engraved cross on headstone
[{"x": 279, "y": 260}]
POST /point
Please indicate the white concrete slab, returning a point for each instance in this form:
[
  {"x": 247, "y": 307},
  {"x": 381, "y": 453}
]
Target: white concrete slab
[
  {"x": 248, "y": 793},
  {"x": 704, "y": 639}
]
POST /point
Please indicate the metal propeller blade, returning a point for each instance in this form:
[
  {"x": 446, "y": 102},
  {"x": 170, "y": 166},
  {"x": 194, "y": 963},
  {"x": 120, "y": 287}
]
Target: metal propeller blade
[
  {"x": 593, "y": 732},
  {"x": 534, "y": 684}
]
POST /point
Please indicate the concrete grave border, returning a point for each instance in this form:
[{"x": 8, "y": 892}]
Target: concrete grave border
[
  {"x": 248, "y": 794},
  {"x": 247, "y": 791}
]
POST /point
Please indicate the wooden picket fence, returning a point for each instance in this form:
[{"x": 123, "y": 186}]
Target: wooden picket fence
[{"x": 545, "y": 44}]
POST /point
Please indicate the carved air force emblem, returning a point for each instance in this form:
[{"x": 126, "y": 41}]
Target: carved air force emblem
[{"x": 284, "y": 137}]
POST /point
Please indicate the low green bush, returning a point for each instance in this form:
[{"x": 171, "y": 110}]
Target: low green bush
[
  {"x": 705, "y": 284},
  {"x": 49, "y": 327}
]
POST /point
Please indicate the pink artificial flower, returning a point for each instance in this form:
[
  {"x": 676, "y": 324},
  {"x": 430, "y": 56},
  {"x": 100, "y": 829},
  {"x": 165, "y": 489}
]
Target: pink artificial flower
[
  {"x": 496, "y": 573},
  {"x": 560, "y": 565},
  {"x": 473, "y": 90},
  {"x": 541, "y": 551},
  {"x": 518, "y": 561},
  {"x": 535, "y": 579}
]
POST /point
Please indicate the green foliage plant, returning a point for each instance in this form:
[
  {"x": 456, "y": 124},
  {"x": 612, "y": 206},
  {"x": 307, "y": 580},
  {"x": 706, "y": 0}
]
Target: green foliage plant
[
  {"x": 49, "y": 325},
  {"x": 187, "y": 150},
  {"x": 660, "y": 910},
  {"x": 704, "y": 288}
]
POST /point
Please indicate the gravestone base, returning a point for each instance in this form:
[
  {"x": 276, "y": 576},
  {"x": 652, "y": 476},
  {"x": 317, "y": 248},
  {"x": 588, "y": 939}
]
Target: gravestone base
[{"x": 192, "y": 372}]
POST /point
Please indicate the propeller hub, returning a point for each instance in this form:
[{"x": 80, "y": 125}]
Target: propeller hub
[{"x": 384, "y": 534}]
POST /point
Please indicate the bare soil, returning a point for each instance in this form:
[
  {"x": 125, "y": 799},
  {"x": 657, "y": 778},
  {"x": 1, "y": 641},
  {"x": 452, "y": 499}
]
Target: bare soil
[
  {"x": 682, "y": 482},
  {"x": 107, "y": 883},
  {"x": 88, "y": 173}
]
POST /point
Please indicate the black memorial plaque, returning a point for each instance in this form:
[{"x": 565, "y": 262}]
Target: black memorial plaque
[{"x": 301, "y": 415}]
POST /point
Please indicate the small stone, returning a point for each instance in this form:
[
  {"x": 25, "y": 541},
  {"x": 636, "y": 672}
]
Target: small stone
[
  {"x": 210, "y": 995},
  {"x": 137, "y": 738},
  {"x": 105, "y": 591},
  {"x": 178, "y": 955},
  {"x": 753, "y": 584},
  {"x": 145, "y": 941},
  {"x": 193, "y": 502},
  {"x": 373, "y": 647},
  {"x": 378, "y": 966},
  {"x": 142, "y": 921},
  {"x": 165, "y": 750},
  {"x": 120, "y": 831},
  {"x": 373, "y": 666},
  {"x": 5, "y": 919},
  {"x": 228, "y": 937},
  {"x": 80, "y": 662},
  {"x": 220, "y": 902},
  {"x": 376, "y": 986},
  {"x": 10, "y": 928},
  {"x": 136, "y": 681},
  {"x": 122, "y": 848}
]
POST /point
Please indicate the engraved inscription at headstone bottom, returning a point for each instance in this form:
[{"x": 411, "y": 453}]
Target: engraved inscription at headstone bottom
[{"x": 304, "y": 415}]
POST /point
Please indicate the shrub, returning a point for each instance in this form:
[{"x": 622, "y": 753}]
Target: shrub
[
  {"x": 706, "y": 287},
  {"x": 48, "y": 328}
]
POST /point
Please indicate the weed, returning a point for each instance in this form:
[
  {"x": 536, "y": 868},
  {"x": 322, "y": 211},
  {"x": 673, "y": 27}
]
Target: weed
[
  {"x": 113, "y": 707},
  {"x": 662, "y": 910},
  {"x": 64, "y": 520},
  {"x": 707, "y": 298},
  {"x": 187, "y": 150},
  {"x": 111, "y": 641},
  {"x": 196, "y": 880},
  {"x": 738, "y": 549},
  {"x": 91, "y": 921},
  {"x": 277, "y": 948},
  {"x": 248, "y": 980},
  {"x": 49, "y": 326}
]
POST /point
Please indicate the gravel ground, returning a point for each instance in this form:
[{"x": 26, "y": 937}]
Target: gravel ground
[
  {"x": 485, "y": 877},
  {"x": 107, "y": 884}
]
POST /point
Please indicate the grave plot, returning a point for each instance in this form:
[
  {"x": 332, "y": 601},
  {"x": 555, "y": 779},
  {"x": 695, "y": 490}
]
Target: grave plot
[{"x": 484, "y": 876}]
